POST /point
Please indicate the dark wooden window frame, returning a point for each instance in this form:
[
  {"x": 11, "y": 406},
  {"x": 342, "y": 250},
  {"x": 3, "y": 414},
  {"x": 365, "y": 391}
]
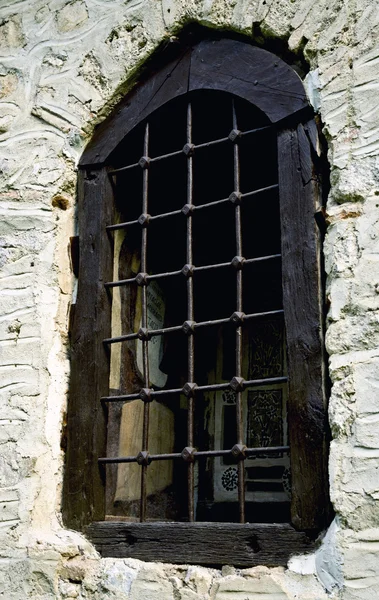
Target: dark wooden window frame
[{"x": 267, "y": 82}]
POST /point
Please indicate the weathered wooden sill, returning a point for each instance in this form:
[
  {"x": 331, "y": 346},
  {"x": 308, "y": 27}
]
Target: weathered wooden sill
[{"x": 200, "y": 543}]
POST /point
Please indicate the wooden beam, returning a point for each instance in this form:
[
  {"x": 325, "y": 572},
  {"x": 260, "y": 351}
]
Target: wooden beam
[
  {"x": 83, "y": 494},
  {"x": 200, "y": 543},
  {"x": 307, "y": 416}
]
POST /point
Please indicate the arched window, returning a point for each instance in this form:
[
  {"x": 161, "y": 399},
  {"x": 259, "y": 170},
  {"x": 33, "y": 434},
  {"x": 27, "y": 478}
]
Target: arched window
[{"x": 196, "y": 426}]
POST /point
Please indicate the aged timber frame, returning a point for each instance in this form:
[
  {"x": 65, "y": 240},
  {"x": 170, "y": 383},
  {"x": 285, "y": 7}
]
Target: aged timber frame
[{"x": 267, "y": 82}]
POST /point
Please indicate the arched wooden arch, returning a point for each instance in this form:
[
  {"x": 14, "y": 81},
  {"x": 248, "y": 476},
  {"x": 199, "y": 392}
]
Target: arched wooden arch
[
  {"x": 225, "y": 65},
  {"x": 267, "y": 82}
]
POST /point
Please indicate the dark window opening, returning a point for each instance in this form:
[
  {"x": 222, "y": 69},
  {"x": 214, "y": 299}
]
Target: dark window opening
[{"x": 217, "y": 268}]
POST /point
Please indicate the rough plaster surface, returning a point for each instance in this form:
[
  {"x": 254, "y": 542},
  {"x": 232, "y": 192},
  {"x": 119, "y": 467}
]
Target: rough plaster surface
[{"x": 63, "y": 65}]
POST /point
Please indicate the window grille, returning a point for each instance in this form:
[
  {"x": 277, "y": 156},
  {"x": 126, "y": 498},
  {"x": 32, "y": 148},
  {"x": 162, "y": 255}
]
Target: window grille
[
  {"x": 176, "y": 221},
  {"x": 239, "y": 452}
]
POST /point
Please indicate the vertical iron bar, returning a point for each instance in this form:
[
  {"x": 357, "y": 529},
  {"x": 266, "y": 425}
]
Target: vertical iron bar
[
  {"x": 145, "y": 347},
  {"x": 190, "y": 316},
  {"x": 239, "y": 416}
]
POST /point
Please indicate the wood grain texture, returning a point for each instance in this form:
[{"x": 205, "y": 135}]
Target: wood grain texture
[
  {"x": 303, "y": 318},
  {"x": 169, "y": 82},
  {"x": 83, "y": 495},
  {"x": 225, "y": 65},
  {"x": 249, "y": 72},
  {"x": 200, "y": 543}
]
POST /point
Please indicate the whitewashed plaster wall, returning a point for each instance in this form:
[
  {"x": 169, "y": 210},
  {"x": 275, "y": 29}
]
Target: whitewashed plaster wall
[{"x": 63, "y": 65}]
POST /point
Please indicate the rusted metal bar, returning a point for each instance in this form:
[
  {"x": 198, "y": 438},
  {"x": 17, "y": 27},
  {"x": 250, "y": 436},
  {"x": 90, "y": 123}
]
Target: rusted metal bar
[
  {"x": 190, "y": 317},
  {"x": 239, "y": 415},
  {"x": 196, "y": 454},
  {"x": 144, "y": 323},
  {"x": 214, "y": 387},
  {"x": 148, "y": 333},
  {"x": 153, "y": 218},
  {"x": 179, "y": 152},
  {"x": 246, "y": 261}
]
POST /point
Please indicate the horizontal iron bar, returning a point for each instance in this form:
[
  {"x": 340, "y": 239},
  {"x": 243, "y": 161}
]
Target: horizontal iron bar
[
  {"x": 136, "y": 222},
  {"x": 176, "y": 328},
  {"x": 195, "y": 208},
  {"x": 201, "y": 388},
  {"x": 195, "y": 147},
  {"x": 197, "y": 454},
  {"x": 247, "y": 261}
]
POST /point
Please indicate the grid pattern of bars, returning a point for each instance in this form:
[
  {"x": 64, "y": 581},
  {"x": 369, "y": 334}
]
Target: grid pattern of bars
[{"x": 189, "y": 454}]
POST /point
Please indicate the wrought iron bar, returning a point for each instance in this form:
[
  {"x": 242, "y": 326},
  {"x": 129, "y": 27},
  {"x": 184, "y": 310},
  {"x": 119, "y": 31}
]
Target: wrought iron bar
[
  {"x": 196, "y": 454},
  {"x": 153, "y": 218},
  {"x": 154, "y": 332},
  {"x": 214, "y": 387},
  {"x": 239, "y": 415},
  {"x": 190, "y": 318},
  {"x": 144, "y": 323},
  {"x": 179, "y": 152},
  {"x": 246, "y": 261}
]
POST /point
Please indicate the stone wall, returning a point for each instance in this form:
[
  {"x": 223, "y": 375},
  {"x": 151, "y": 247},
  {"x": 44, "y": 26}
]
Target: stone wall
[{"x": 63, "y": 65}]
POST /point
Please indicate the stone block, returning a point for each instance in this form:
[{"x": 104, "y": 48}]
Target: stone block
[
  {"x": 262, "y": 587},
  {"x": 367, "y": 431},
  {"x": 118, "y": 579},
  {"x": 72, "y": 16},
  {"x": 366, "y": 377},
  {"x": 8, "y": 511},
  {"x": 151, "y": 583},
  {"x": 11, "y": 34},
  {"x": 199, "y": 579},
  {"x": 8, "y": 84}
]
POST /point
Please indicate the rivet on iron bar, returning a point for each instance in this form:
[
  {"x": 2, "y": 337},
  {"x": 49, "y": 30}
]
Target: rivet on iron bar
[
  {"x": 144, "y": 219},
  {"x": 143, "y": 334},
  {"x": 237, "y": 262},
  {"x": 187, "y": 209},
  {"x": 141, "y": 279},
  {"x": 144, "y": 162},
  {"x": 189, "y": 389},
  {"x": 188, "y": 270},
  {"x": 237, "y": 384},
  {"x": 189, "y": 149},
  {"x": 235, "y": 198},
  {"x": 189, "y": 327},
  {"x": 234, "y": 135},
  {"x": 188, "y": 454},
  {"x": 237, "y": 317},
  {"x": 143, "y": 458},
  {"x": 145, "y": 394},
  {"x": 238, "y": 451}
]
